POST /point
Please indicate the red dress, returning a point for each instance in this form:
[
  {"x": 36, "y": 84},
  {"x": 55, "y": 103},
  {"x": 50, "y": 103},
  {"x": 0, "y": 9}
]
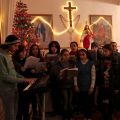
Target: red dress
[{"x": 86, "y": 41}]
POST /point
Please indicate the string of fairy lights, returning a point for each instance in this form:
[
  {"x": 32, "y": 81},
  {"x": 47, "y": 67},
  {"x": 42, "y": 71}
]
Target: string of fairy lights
[
  {"x": 66, "y": 30},
  {"x": 67, "y": 27}
]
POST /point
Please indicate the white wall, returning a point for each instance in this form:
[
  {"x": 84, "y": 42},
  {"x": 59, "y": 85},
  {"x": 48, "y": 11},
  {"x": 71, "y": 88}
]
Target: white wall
[{"x": 85, "y": 8}]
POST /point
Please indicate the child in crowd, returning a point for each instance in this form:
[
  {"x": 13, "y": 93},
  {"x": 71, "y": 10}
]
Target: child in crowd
[
  {"x": 74, "y": 49},
  {"x": 108, "y": 83},
  {"x": 116, "y": 63},
  {"x": 19, "y": 58},
  {"x": 68, "y": 81},
  {"x": 34, "y": 69},
  {"x": 59, "y": 71},
  {"x": 53, "y": 53},
  {"x": 74, "y": 55},
  {"x": 85, "y": 83}
]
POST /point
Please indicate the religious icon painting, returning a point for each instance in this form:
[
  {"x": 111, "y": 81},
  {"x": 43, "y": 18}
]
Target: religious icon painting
[
  {"x": 43, "y": 28},
  {"x": 101, "y": 26}
]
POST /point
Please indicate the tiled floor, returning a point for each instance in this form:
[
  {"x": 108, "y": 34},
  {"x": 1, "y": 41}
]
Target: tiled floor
[
  {"x": 96, "y": 115},
  {"x": 75, "y": 117},
  {"x": 79, "y": 116}
]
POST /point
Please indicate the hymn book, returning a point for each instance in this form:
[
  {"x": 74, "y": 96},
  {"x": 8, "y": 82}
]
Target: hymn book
[
  {"x": 71, "y": 72},
  {"x": 40, "y": 82},
  {"x": 52, "y": 57},
  {"x": 35, "y": 63}
]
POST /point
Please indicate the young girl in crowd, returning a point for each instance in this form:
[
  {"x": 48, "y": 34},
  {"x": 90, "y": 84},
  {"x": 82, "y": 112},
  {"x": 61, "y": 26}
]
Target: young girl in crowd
[
  {"x": 66, "y": 83},
  {"x": 23, "y": 98},
  {"x": 33, "y": 59},
  {"x": 108, "y": 83},
  {"x": 31, "y": 66},
  {"x": 74, "y": 49},
  {"x": 85, "y": 83},
  {"x": 53, "y": 53},
  {"x": 54, "y": 47},
  {"x": 74, "y": 55}
]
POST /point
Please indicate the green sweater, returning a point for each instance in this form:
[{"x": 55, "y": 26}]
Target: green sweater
[{"x": 8, "y": 76}]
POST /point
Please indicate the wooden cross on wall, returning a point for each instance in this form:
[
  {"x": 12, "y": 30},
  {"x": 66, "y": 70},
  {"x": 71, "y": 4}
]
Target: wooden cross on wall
[{"x": 70, "y": 8}]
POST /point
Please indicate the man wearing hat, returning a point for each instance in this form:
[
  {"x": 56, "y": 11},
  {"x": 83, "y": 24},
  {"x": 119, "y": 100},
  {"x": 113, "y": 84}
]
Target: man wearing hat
[{"x": 9, "y": 78}]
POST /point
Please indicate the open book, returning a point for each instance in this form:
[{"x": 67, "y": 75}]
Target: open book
[
  {"x": 52, "y": 57},
  {"x": 41, "y": 67},
  {"x": 71, "y": 72},
  {"x": 35, "y": 63},
  {"x": 72, "y": 57},
  {"x": 72, "y": 60},
  {"x": 31, "y": 62},
  {"x": 39, "y": 83}
]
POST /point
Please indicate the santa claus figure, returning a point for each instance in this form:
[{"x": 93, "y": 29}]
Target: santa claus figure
[{"x": 86, "y": 37}]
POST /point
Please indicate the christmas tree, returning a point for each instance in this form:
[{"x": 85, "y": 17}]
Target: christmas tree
[{"x": 22, "y": 26}]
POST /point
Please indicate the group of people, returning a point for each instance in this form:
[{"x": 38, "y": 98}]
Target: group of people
[{"x": 96, "y": 83}]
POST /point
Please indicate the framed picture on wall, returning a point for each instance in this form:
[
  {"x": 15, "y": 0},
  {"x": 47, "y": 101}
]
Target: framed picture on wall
[
  {"x": 101, "y": 26},
  {"x": 43, "y": 24}
]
